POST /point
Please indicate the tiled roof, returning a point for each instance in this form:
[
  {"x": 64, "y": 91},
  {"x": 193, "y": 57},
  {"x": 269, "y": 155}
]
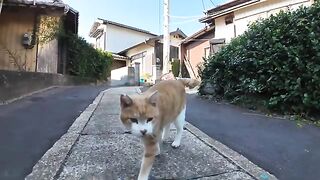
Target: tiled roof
[
  {"x": 119, "y": 57},
  {"x": 45, "y": 3},
  {"x": 178, "y": 31},
  {"x": 227, "y": 5},
  {"x": 225, "y": 8},
  {"x": 126, "y": 26},
  {"x": 197, "y": 34}
]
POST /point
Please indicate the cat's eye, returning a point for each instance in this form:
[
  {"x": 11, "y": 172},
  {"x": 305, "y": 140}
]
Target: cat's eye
[
  {"x": 134, "y": 120},
  {"x": 149, "y": 119}
]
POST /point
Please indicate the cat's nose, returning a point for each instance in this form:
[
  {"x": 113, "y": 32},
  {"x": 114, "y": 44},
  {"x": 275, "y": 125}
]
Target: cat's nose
[{"x": 143, "y": 132}]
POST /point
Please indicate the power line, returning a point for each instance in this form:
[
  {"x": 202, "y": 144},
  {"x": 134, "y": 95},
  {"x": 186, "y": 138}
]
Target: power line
[
  {"x": 186, "y": 21},
  {"x": 213, "y": 3},
  {"x": 204, "y": 8},
  {"x": 185, "y": 17}
]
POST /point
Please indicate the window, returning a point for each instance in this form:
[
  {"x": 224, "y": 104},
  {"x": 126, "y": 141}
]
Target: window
[
  {"x": 216, "y": 44},
  {"x": 229, "y": 19},
  {"x": 174, "y": 53}
]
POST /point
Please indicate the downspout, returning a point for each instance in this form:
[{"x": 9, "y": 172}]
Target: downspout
[{"x": 35, "y": 39}]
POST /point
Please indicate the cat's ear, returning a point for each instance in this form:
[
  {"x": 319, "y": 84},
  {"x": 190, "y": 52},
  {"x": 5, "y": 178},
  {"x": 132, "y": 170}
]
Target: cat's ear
[
  {"x": 125, "y": 101},
  {"x": 153, "y": 98}
]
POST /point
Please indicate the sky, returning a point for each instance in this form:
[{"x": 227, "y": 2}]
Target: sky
[{"x": 143, "y": 14}]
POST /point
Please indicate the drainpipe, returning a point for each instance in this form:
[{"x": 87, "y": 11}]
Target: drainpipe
[
  {"x": 1, "y": 2},
  {"x": 35, "y": 40}
]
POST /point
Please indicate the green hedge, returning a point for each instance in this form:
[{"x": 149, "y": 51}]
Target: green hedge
[
  {"x": 175, "y": 67},
  {"x": 277, "y": 58},
  {"x": 86, "y": 61}
]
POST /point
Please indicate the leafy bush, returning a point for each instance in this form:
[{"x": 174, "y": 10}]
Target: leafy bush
[
  {"x": 147, "y": 76},
  {"x": 84, "y": 60},
  {"x": 175, "y": 67},
  {"x": 277, "y": 58}
]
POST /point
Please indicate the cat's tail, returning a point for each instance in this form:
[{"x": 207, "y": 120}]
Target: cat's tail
[{"x": 190, "y": 83}]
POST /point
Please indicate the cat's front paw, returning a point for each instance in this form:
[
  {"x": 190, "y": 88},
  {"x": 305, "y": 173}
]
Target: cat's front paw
[
  {"x": 175, "y": 144},
  {"x": 158, "y": 153}
]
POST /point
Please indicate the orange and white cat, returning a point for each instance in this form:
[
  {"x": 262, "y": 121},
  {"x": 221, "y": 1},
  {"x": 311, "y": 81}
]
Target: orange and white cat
[{"x": 150, "y": 114}]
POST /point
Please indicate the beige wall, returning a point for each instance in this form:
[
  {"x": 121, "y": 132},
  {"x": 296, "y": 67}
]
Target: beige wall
[
  {"x": 48, "y": 57},
  {"x": 222, "y": 30},
  {"x": 244, "y": 16},
  {"x": 48, "y": 52},
  {"x": 174, "y": 42},
  {"x": 13, "y": 56},
  {"x": 145, "y": 62},
  {"x": 119, "y": 38},
  {"x": 194, "y": 53}
]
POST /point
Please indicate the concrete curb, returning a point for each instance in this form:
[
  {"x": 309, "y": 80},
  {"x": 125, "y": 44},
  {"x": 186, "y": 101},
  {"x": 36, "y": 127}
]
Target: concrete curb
[
  {"x": 49, "y": 166},
  {"x": 236, "y": 158},
  {"x": 26, "y": 95}
]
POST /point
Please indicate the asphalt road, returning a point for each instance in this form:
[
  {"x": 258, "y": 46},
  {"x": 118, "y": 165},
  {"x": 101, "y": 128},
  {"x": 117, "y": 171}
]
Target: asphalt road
[
  {"x": 29, "y": 127},
  {"x": 277, "y": 145}
]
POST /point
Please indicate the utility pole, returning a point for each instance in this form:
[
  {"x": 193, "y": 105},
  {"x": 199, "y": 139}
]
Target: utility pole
[{"x": 166, "y": 38}]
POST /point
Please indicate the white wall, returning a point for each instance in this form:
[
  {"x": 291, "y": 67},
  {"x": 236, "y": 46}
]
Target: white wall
[
  {"x": 145, "y": 62},
  {"x": 119, "y": 39},
  {"x": 222, "y": 30},
  {"x": 173, "y": 41},
  {"x": 119, "y": 76},
  {"x": 244, "y": 16}
]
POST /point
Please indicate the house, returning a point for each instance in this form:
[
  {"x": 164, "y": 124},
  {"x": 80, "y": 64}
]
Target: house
[
  {"x": 115, "y": 37},
  {"x": 194, "y": 48},
  {"x": 22, "y": 34},
  {"x": 227, "y": 21},
  {"x": 149, "y": 54},
  {"x": 232, "y": 18},
  {"x": 133, "y": 48}
]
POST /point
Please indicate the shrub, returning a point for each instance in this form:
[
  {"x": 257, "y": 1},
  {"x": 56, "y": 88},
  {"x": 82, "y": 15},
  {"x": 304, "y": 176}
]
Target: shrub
[
  {"x": 175, "y": 65},
  {"x": 147, "y": 77},
  {"x": 84, "y": 60},
  {"x": 277, "y": 58}
]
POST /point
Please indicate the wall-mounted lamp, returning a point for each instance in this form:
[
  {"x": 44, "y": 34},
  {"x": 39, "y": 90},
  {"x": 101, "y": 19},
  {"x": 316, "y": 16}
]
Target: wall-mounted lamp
[{"x": 26, "y": 40}]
